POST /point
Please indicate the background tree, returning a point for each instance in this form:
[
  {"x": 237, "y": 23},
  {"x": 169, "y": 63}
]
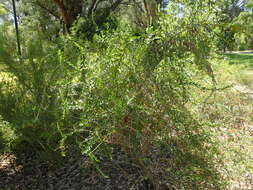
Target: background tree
[
  {"x": 227, "y": 12},
  {"x": 243, "y": 27}
]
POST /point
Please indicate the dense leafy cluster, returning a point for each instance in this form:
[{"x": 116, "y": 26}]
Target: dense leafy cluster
[{"x": 114, "y": 84}]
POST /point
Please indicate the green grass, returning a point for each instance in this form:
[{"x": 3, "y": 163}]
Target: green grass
[
  {"x": 245, "y": 59},
  {"x": 245, "y": 67}
]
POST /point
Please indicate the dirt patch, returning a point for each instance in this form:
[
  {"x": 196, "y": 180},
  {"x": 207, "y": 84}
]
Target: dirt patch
[
  {"x": 76, "y": 174},
  {"x": 241, "y": 52},
  {"x": 243, "y": 89}
]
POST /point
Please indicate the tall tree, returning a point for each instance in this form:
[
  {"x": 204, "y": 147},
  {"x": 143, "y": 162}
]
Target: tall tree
[
  {"x": 96, "y": 10},
  {"x": 66, "y": 12}
]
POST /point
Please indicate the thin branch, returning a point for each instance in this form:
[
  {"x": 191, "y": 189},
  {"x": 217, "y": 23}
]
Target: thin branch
[
  {"x": 139, "y": 6},
  {"x": 115, "y": 5},
  {"x": 92, "y": 7},
  {"x": 46, "y": 9}
]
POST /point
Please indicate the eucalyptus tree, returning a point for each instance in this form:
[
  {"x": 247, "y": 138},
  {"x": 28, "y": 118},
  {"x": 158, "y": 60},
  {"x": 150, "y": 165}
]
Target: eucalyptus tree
[{"x": 66, "y": 12}]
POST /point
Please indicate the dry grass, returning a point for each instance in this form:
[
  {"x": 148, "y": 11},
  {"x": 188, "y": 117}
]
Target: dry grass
[{"x": 230, "y": 111}]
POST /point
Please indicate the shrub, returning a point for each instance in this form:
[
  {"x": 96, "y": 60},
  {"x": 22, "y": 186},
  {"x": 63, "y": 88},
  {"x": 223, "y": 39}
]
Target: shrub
[
  {"x": 30, "y": 100},
  {"x": 7, "y": 135},
  {"x": 133, "y": 92},
  {"x": 87, "y": 96}
]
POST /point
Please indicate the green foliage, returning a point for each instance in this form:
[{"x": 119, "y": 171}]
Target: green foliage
[
  {"x": 2, "y": 10},
  {"x": 133, "y": 92},
  {"x": 242, "y": 27},
  {"x": 243, "y": 59},
  {"x": 7, "y": 136},
  {"x": 87, "y": 28},
  {"x": 228, "y": 11},
  {"x": 32, "y": 103},
  {"x": 118, "y": 87}
]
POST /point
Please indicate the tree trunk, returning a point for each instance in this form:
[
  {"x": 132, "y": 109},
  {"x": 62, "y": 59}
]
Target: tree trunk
[{"x": 69, "y": 10}]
